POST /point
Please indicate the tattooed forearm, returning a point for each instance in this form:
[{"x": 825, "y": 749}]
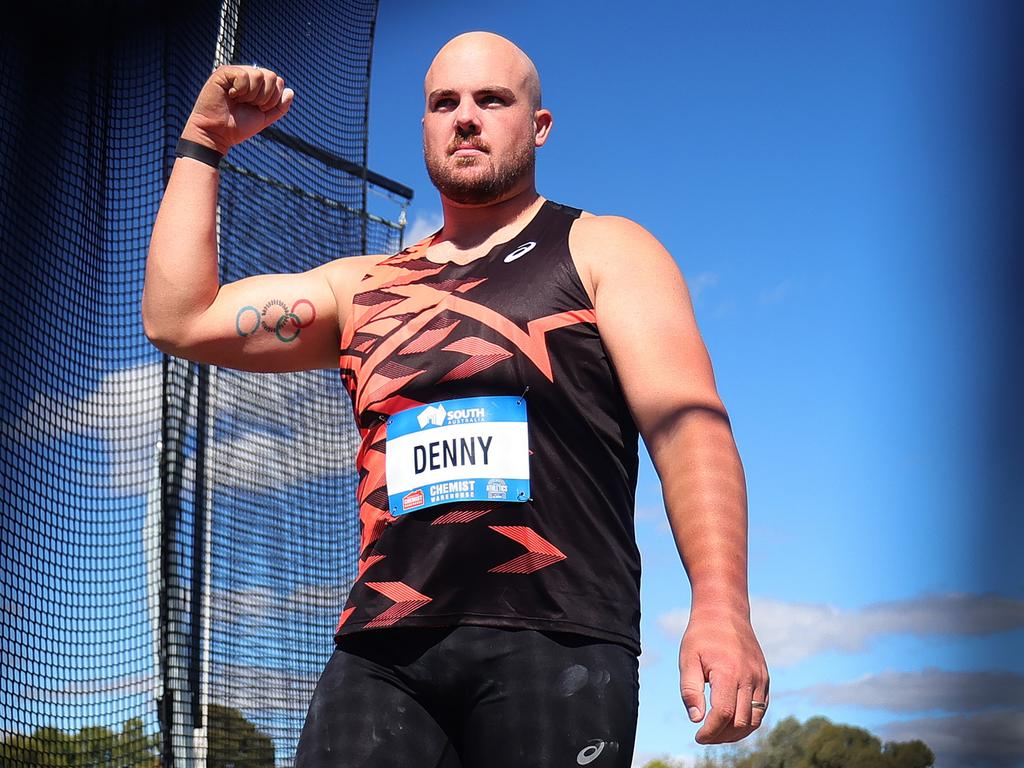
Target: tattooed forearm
[{"x": 277, "y": 318}]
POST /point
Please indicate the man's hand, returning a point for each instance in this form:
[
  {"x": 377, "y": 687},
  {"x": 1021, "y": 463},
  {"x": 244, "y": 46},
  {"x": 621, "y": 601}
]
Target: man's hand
[
  {"x": 235, "y": 103},
  {"x": 719, "y": 647}
]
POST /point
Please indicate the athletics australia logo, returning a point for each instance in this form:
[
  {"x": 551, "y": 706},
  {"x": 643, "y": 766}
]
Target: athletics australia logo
[
  {"x": 432, "y": 414},
  {"x": 497, "y": 489}
]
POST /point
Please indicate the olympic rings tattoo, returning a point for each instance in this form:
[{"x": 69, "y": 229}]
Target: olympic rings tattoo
[
  {"x": 285, "y": 318},
  {"x": 312, "y": 311},
  {"x": 266, "y": 309},
  {"x": 256, "y": 320},
  {"x": 286, "y": 326}
]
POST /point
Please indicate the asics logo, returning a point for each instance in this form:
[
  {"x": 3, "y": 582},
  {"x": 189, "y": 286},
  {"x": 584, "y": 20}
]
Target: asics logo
[
  {"x": 522, "y": 250},
  {"x": 589, "y": 753}
]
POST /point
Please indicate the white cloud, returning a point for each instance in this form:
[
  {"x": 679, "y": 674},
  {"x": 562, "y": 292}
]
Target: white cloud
[
  {"x": 700, "y": 283},
  {"x": 645, "y": 512},
  {"x": 982, "y": 740},
  {"x": 725, "y": 309},
  {"x": 261, "y": 689},
  {"x": 252, "y": 606},
  {"x": 649, "y": 658},
  {"x": 286, "y": 428},
  {"x": 925, "y": 690},
  {"x": 777, "y": 293},
  {"x": 652, "y": 515},
  {"x": 791, "y": 632},
  {"x": 422, "y": 224},
  {"x": 95, "y": 690},
  {"x": 124, "y": 409},
  {"x": 245, "y": 687}
]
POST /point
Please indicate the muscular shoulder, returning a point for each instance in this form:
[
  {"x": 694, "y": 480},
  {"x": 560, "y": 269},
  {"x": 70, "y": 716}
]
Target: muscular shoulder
[
  {"x": 344, "y": 274},
  {"x": 603, "y": 234},
  {"x": 611, "y": 247}
]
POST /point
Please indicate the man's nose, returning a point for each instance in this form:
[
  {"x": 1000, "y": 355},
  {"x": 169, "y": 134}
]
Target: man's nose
[{"x": 467, "y": 119}]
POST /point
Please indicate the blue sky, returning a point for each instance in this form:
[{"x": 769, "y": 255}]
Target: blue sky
[{"x": 825, "y": 178}]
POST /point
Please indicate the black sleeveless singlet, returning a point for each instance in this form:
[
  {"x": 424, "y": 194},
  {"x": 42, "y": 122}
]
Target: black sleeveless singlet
[{"x": 515, "y": 320}]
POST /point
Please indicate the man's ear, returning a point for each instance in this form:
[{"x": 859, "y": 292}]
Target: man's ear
[{"x": 542, "y": 122}]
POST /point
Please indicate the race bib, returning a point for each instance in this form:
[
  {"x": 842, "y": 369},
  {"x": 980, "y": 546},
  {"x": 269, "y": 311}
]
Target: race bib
[{"x": 469, "y": 449}]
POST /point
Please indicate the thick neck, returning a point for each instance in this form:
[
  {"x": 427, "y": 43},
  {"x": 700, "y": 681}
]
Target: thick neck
[{"x": 468, "y": 226}]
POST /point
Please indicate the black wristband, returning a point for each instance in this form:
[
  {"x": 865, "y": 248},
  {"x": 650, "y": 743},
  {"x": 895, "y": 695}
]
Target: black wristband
[{"x": 199, "y": 152}]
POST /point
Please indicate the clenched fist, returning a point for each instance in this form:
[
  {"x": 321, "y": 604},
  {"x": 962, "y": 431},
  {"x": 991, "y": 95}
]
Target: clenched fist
[{"x": 235, "y": 103}]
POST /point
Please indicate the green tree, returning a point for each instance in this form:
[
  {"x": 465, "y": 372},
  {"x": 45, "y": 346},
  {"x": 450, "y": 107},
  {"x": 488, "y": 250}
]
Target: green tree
[
  {"x": 908, "y": 754},
  {"x": 841, "y": 746},
  {"x": 817, "y": 743},
  {"x": 91, "y": 747},
  {"x": 234, "y": 742}
]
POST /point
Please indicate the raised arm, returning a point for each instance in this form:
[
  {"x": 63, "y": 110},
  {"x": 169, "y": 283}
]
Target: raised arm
[
  {"x": 281, "y": 322},
  {"x": 647, "y": 324}
]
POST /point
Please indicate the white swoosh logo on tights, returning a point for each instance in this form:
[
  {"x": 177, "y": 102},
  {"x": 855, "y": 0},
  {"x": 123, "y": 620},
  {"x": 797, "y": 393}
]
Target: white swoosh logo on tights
[{"x": 589, "y": 754}]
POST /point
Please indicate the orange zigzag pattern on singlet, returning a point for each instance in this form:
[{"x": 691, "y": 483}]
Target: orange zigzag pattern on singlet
[
  {"x": 402, "y": 295},
  {"x": 540, "y": 553},
  {"x": 371, "y": 462},
  {"x": 407, "y": 600},
  {"x": 428, "y": 302},
  {"x": 344, "y": 617},
  {"x": 482, "y": 355},
  {"x": 371, "y": 480}
]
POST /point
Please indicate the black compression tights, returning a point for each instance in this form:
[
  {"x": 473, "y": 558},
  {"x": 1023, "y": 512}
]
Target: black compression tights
[{"x": 472, "y": 697}]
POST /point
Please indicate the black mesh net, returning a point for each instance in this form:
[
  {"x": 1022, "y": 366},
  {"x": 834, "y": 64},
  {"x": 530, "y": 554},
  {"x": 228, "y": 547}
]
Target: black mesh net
[{"x": 176, "y": 541}]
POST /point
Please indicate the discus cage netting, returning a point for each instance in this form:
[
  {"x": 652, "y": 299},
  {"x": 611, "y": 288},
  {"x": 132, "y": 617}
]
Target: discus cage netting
[{"x": 176, "y": 541}]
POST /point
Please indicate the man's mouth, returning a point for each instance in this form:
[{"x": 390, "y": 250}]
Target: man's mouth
[{"x": 467, "y": 148}]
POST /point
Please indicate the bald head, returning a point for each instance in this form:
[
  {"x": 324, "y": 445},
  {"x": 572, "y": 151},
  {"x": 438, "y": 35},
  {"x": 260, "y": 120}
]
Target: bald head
[
  {"x": 485, "y": 55},
  {"x": 482, "y": 119}
]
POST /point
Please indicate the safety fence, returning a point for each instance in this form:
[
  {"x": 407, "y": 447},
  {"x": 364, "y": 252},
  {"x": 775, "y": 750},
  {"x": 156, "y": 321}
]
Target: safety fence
[{"x": 176, "y": 541}]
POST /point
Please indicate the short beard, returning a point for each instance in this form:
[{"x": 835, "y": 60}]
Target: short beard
[{"x": 480, "y": 189}]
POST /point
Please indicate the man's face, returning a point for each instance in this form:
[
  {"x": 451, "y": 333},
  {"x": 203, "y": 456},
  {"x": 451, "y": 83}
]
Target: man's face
[{"x": 480, "y": 129}]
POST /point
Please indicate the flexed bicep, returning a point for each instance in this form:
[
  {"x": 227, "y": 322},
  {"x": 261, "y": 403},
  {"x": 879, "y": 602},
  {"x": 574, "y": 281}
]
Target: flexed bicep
[{"x": 284, "y": 322}]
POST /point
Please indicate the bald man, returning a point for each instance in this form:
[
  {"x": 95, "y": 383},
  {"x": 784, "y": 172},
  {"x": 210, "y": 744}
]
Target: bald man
[{"x": 501, "y": 372}]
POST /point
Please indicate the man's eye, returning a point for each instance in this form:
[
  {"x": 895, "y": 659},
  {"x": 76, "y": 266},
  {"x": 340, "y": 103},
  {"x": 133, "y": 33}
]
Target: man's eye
[
  {"x": 444, "y": 104},
  {"x": 492, "y": 99}
]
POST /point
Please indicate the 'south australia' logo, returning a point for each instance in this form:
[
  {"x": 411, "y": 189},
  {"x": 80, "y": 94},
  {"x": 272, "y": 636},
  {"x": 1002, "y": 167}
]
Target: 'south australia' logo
[{"x": 432, "y": 414}]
